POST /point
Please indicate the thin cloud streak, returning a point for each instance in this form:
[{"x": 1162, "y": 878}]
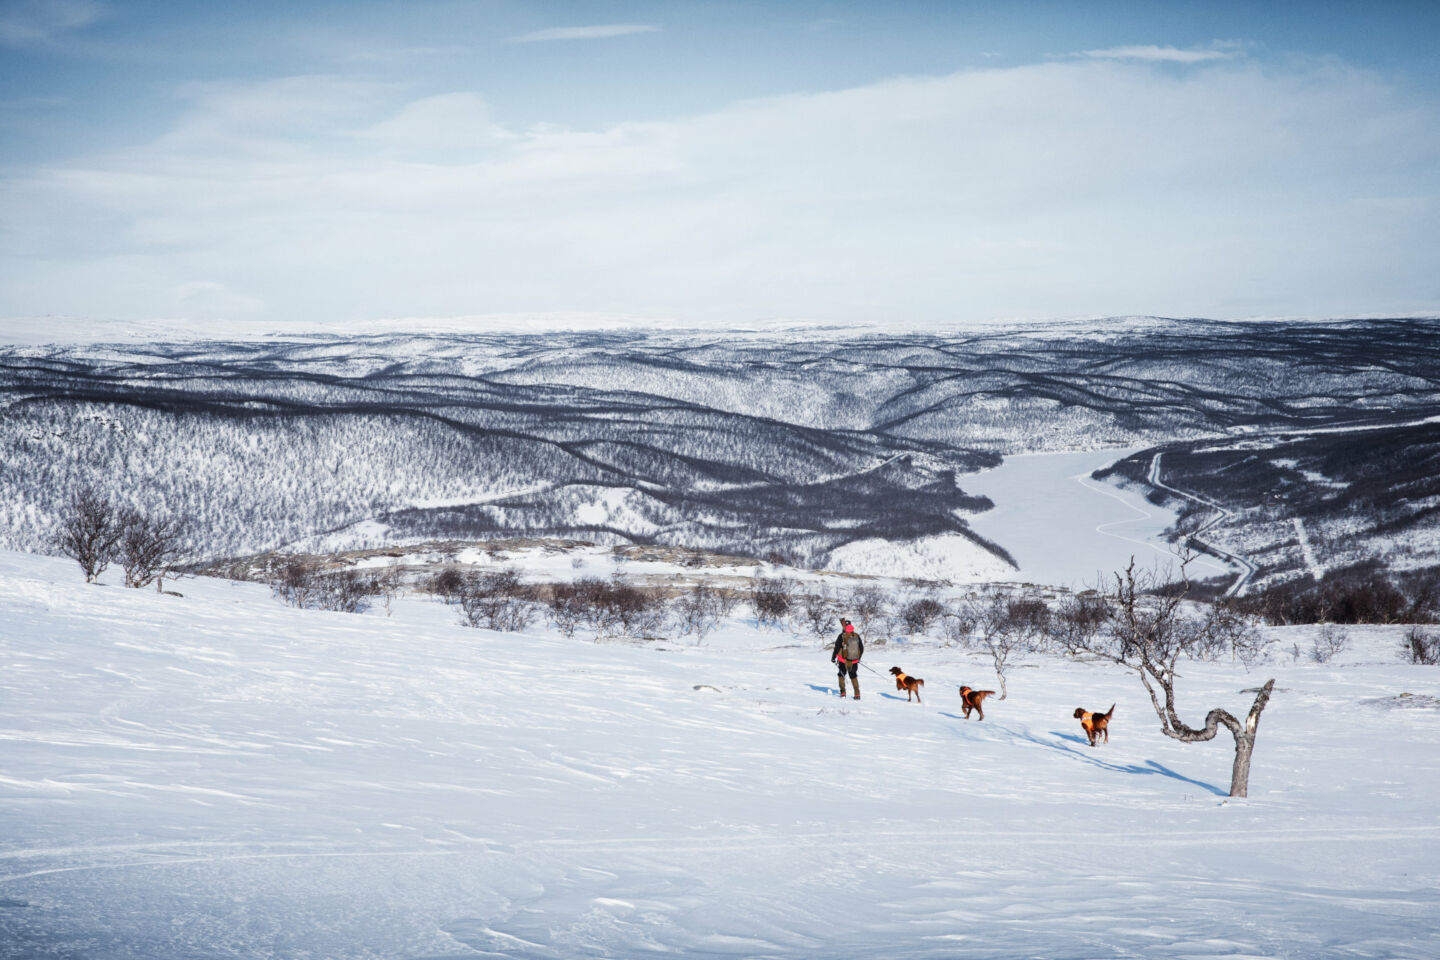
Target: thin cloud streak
[
  {"x": 25, "y": 22},
  {"x": 600, "y": 32},
  {"x": 1157, "y": 54}
]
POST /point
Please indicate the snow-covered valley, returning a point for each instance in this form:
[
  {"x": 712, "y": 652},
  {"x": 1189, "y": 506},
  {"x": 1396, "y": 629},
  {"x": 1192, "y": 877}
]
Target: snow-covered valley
[{"x": 220, "y": 775}]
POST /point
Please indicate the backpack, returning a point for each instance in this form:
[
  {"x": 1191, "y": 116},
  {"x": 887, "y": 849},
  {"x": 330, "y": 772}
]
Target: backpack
[{"x": 850, "y": 648}]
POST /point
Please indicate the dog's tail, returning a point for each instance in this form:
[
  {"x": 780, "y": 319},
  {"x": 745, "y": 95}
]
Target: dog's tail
[
  {"x": 1107, "y": 713},
  {"x": 919, "y": 681}
]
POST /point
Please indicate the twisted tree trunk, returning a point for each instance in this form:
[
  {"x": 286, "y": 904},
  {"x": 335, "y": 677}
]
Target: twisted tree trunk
[{"x": 1244, "y": 734}]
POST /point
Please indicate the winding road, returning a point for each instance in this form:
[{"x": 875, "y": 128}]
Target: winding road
[{"x": 1246, "y": 569}]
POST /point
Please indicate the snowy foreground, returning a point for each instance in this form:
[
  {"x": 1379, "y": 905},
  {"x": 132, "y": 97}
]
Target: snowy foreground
[{"x": 221, "y": 776}]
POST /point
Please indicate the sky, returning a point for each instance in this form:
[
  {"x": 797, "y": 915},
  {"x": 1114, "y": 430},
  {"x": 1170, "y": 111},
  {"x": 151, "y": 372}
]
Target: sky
[{"x": 911, "y": 163}]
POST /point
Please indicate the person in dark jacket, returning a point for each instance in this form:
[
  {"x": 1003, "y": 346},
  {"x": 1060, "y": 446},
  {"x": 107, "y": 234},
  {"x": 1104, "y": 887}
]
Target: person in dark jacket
[{"x": 849, "y": 648}]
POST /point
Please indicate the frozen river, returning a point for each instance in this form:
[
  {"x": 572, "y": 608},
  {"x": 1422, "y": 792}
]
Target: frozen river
[{"x": 1066, "y": 529}]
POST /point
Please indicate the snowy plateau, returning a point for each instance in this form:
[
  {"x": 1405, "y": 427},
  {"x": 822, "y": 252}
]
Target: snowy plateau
[{"x": 221, "y": 775}]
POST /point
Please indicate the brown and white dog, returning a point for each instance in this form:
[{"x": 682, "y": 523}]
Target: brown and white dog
[
  {"x": 972, "y": 700},
  {"x": 911, "y": 685},
  {"x": 1095, "y": 724}
]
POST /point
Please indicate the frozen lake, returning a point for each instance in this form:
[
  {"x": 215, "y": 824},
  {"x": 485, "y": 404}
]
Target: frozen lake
[{"x": 1066, "y": 529}]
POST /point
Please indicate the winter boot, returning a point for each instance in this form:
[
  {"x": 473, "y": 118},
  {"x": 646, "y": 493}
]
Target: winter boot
[
  {"x": 842, "y": 686},
  {"x": 854, "y": 682}
]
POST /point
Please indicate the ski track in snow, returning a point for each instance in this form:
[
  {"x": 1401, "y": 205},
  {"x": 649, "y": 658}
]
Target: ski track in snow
[{"x": 221, "y": 776}]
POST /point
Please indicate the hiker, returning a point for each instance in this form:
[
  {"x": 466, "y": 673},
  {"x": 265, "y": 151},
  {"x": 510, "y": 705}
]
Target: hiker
[{"x": 849, "y": 648}]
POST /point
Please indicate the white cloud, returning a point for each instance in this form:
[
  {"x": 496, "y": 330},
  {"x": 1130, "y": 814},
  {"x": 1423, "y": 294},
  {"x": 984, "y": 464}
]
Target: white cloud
[
  {"x": 452, "y": 127},
  {"x": 25, "y": 22},
  {"x": 1156, "y": 54},
  {"x": 599, "y": 32},
  {"x": 1071, "y": 187}
]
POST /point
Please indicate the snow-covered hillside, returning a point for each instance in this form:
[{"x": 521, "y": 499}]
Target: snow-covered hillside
[
  {"x": 822, "y": 448},
  {"x": 219, "y": 775}
]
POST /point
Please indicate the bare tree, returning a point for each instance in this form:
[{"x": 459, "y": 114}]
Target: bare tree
[
  {"x": 1009, "y": 627},
  {"x": 148, "y": 547},
  {"x": 89, "y": 531},
  {"x": 1150, "y": 629}
]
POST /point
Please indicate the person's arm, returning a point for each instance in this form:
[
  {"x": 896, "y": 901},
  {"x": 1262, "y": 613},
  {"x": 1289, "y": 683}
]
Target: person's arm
[
  {"x": 862, "y": 648},
  {"x": 835, "y": 650}
]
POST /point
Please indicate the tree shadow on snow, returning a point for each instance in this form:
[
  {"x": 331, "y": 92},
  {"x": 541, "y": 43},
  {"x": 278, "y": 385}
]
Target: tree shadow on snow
[{"x": 1062, "y": 743}]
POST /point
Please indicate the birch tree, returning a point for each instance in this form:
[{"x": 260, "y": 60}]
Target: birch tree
[{"x": 1150, "y": 629}]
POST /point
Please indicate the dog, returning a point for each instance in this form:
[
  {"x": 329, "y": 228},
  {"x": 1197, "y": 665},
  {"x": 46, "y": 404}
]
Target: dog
[
  {"x": 972, "y": 700},
  {"x": 909, "y": 684},
  {"x": 1094, "y": 724}
]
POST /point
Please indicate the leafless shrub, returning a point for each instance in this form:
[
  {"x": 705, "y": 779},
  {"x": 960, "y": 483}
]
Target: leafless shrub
[
  {"x": 387, "y": 584},
  {"x": 818, "y": 611},
  {"x": 497, "y": 600},
  {"x": 89, "y": 531},
  {"x": 301, "y": 582},
  {"x": 699, "y": 611},
  {"x": 607, "y": 607},
  {"x": 868, "y": 605},
  {"x": 728, "y": 599},
  {"x": 958, "y": 623},
  {"x": 1076, "y": 621},
  {"x": 629, "y": 609},
  {"x": 447, "y": 584},
  {"x": 772, "y": 598},
  {"x": 346, "y": 591},
  {"x": 567, "y": 606},
  {"x": 1421, "y": 646},
  {"x": 1330, "y": 640},
  {"x": 147, "y": 548},
  {"x": 1009, "y": 627},
  {"x": 917, "y": 616},
  {"x": 296, "y": 581}
]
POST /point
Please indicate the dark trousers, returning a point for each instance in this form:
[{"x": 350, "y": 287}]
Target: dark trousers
[{"x": 850, "y": 668}]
